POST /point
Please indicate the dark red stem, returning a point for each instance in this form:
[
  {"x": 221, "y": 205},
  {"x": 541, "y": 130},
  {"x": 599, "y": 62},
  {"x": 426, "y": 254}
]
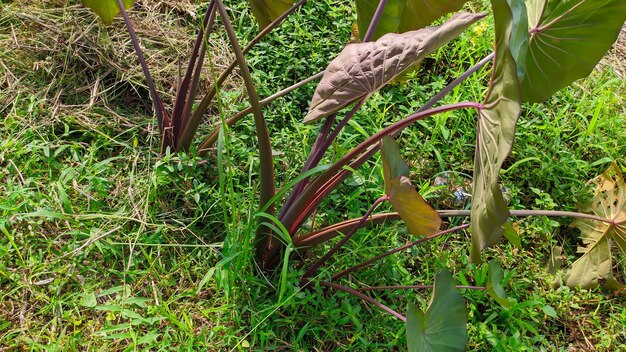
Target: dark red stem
[{"x": 365, "y": 298}]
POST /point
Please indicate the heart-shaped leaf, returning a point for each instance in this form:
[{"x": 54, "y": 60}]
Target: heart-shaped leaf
[
  {"x": 494, "y": 139},
  {"x": 418, "y": 216},
  {"x": 595, "y": 266},
  {"x": 567, "y": 39},
  {"x": 106, "y": 9},
  {"x": 266, "y": 11},
  {"x": 442, "y": 327},
  {"x": 494, "y": 284},
  {"x": 401, "y": 16},
  {"x": 362, "y": 69}
]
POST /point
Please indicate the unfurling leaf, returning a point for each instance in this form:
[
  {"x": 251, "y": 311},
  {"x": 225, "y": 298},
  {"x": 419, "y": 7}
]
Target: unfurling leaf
[
  {"x": 266, "y": 11},
  {"x": 106, "y": 9},
  {"x": 442, "y": 327},
  {"x": 567, "y": 39},
  {"x": 494, "y": 284},
  {"x": 419, "y": 217},
  {"x": 594, "y": 267},
  {"x": 362, "y": 69},
  {"x": 494, "y": 139},
  {"x": 401, "y": 16}
]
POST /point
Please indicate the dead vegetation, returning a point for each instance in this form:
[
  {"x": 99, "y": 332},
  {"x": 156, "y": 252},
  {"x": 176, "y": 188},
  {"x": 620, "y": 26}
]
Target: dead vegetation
[{"x": 77, "y": 63}]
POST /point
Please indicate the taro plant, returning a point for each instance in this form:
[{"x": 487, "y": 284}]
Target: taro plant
[{"x": 540, "y": 47}]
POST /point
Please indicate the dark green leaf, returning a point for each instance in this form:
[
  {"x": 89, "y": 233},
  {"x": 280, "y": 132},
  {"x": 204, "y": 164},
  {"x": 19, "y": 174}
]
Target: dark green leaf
[
  {"x": 418, "y": 216},
  {"x": 443, "y": 327},
  {"x": 266, "y": 11},
  {"x": 594, "y": 267},
  {"x": 106, "y": 9},
  {"x": 362, "y": 69},
  {"x": 496, "y": 131},
  {"x": 401, "y": 16},
  {"x": 494, "y": 284},
  {"x": 567, "y": 39}
]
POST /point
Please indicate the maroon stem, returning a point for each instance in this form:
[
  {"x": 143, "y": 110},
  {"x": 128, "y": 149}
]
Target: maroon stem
[
  {"x": 316, "y": 191},
  {"x": 322, "y": 260},
  {"x": 159, "y": 110},
  {"x": 414, "y": 287},
  {"x": 365, "y": 298},
  {"x": 308, "y": 165},
  {"x": 322, "y": 143},
  {"x": 195, "y": 63},
  {"x": 196, "y": 117},
  {"x": 396, "y": 250},
  {"x": 375, "y": 19},
  {"x": 432, "y": 101}
]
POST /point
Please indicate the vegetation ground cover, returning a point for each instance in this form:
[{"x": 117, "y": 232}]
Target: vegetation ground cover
[{"x": 106, "y": 245}]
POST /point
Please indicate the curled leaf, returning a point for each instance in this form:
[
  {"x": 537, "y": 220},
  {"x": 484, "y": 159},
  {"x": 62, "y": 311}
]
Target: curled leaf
[
  {"x": 442, "y": 327},
  {"x": 400, "y": 16},
  {"x": 419, "y": 217},
  {"x": 494, "y": 139},
  {"x": 594, "y": 267},
  {"x": 362, "y": 69},
  {"x": 106, "y": 9}
]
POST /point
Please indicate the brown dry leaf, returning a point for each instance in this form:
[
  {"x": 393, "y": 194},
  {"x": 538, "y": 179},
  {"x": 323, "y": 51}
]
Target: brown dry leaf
[{"x": 594, "y": 268}]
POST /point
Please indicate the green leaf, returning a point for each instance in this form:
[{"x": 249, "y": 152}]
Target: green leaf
[
  {"x": 88, "y": 299},
  {"x": 419, "y": 217},
  {"x": 494, "y": 138},
  {"x": 494, "y": 284},
  {"x": 549, "y": 311},
  {"x": 443, "y": 327},
  {"x": 362, "y": 69},
  {"x": 106, "y": 9},
  {"x": 594, "y": 267},
  {"x": 567, "y": 39},
  {"x": 148, "y": 338},
  {"x": 266, "y": 11},
  {"x": 401, "y": 16},
  {"x": 511, "y": 234}
]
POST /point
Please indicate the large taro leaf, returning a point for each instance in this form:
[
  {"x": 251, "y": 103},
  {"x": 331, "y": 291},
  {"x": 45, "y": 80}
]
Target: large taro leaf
[
  {"x": 594, "y": 267},
  {"x": 362, "y": 69},
  {"x": 494, "y": 139},
  {"x": 567, "y": 39},
  {"x": 419, "y": 217},
  {"x": 442, "y": 327},
  {"x": 106, "y": 9},
  {"x": 401, "y": 16},
  {"x": 266, "y": 11}
]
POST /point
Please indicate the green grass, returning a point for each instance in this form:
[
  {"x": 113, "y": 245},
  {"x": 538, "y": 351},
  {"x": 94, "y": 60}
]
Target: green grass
[{"x": 105, "y": 245}]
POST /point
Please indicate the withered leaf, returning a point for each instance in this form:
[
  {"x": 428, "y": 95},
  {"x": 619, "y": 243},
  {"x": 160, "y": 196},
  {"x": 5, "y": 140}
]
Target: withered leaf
[
  {"x": 419, "y": 217},
  {"x": 595, "y": 266}
]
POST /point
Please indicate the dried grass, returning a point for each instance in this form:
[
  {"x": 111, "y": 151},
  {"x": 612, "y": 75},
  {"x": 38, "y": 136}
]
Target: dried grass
[
  {"x": 75, "y": 63},
  {"x": 616, "y": 57}
]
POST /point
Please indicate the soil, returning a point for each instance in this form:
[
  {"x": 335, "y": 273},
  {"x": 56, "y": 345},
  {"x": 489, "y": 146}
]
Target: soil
[{"x": 619, "y": 49}]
